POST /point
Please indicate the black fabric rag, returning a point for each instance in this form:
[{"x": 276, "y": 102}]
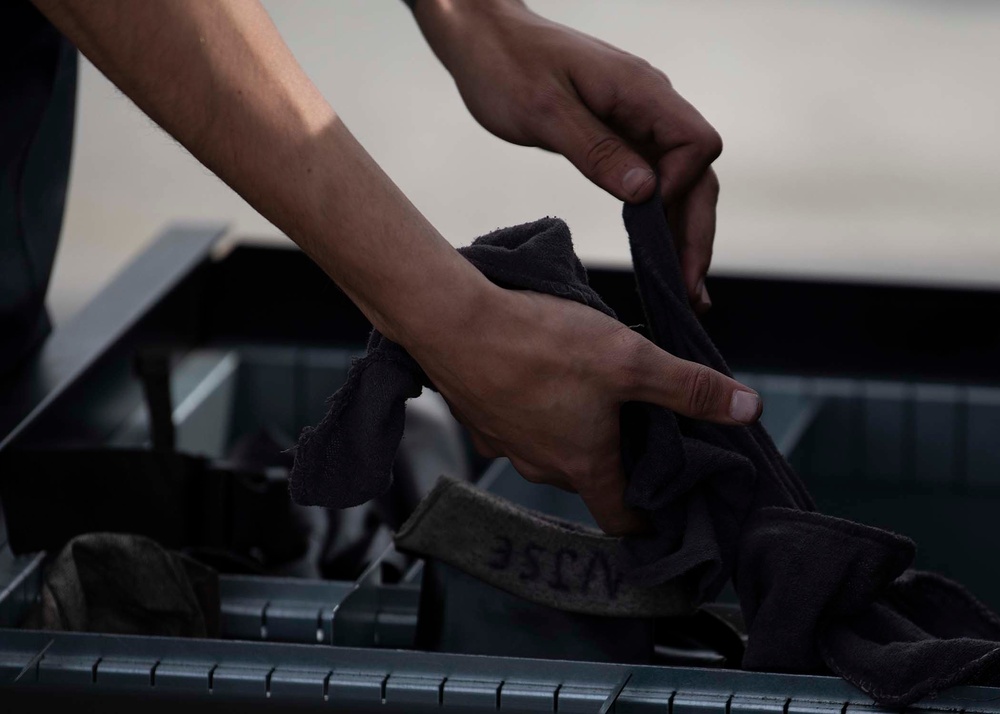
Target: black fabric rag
[
  {"x": 818, "y": 593},
  {"x": 123, "y": 584}
]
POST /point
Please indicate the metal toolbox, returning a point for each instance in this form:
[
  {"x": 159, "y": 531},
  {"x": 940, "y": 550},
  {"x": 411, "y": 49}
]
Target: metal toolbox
[{"x": 886, "y": 399}]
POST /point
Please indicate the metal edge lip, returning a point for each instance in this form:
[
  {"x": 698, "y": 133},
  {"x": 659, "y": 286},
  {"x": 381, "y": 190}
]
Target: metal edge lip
[
  {"x": 30, "y": 568},
  {"x": 117, "y": 308}
]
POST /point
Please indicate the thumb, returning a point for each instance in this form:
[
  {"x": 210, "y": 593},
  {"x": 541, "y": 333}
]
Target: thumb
[
  {"x": 689, "y": 388},
  {"x": 601, "y": 155}
]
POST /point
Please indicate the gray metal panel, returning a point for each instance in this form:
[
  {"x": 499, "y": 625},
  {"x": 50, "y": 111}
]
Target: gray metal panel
[
  {"x": 266, "y": 390},
  {"x": 757, "y": 705},
  {"x": 470, "y": 694},
  {"x": 836, "y": 437},
  {"x": 323, "y": 373},
  {"x": 298, "y": 685},
  {"x": 699, "y": 703},
  {"x": 240, "y": 682},
  {"x": 983, "y": 437},
  {"x": 886, "y": 438},
  {"x": 190, "y": 679},
  {"x": 936, "y": 420},
  {"x": 358, "y": 674},
  {"x": 203, "y": 387},
  {"x": 270, "y": 588},
  {"x": 78, "y": 344},
  {"x": 801, "y": 706},
  {"x": 72, "y": 670},
  {"x": 855, "y": 708},
  {"x": 580, "y": 700},
  {"x": 790, "y": 405},
  {"x": 527, "y": 697},
  {"x": 20, "y": 585},
  {"x": 425, "y": 691},
  {"x": 125, "y": 674},
  {"x": 290, "y": 609},
  {"x": 347, "y": 688},
  {"x": 11, "y": 666},
  {"x": 642, "y": 702},
  {"x": 243, "y": 619},
  {"x": 292, "y": 621}
]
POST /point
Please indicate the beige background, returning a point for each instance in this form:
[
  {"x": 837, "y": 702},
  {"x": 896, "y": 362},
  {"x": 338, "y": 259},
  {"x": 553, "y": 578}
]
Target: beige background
[{"x": 861, "y": 137}]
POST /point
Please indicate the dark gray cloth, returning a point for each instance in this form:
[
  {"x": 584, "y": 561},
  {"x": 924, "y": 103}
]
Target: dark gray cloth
[
  {"x": 817, "y": 593},
  {"x": 37, "y": 108},
  {"x": 127, "y": 585},
  {"x": 347, "y": 459}
]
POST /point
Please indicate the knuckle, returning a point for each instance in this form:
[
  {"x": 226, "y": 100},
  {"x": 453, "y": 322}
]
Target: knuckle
[
  {"x": 604, "y": 154},
  {"x": 709, "y": 142},
  {"x": 631, "y": 372},
  {"x": 701, "y": 391},
  {"x": 546, "y": 102},
  {"x": 662, "y": 76},
  {"x": 651, "y": 74},
  {"x": 639, "y": 66}
]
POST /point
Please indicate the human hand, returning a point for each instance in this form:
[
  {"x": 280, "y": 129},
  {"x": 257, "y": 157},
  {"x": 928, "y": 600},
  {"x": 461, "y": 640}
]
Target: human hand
[
  {"x": 541, "y": 380},
  {"x": 537, "y": 83}
]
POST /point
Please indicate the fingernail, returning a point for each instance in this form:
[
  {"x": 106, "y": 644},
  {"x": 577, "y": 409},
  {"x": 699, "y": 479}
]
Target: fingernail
[
  {"x": 704, "y": 301},
  {"x": 744, "y": 407},
  {"x": 700, "y": 301},
  {"x": 635, "y": 179}
]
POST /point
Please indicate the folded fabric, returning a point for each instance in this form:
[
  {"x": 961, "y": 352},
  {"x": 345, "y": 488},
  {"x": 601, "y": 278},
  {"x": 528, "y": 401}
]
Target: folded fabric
[
  {"x": 539, "y": 558},
  {"x": 127, "y": 585},
  {"x": 347, "y": 458},
  {"x": 817, "y": 593}
]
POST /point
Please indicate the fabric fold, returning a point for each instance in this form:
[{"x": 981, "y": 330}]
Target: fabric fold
[{"x": 818, "y": 594}]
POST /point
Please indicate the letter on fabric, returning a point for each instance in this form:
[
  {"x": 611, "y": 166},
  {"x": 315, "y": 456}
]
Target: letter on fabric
[
  {"x": 818, "y": 593},
  {"x": 536, "y": 557}
]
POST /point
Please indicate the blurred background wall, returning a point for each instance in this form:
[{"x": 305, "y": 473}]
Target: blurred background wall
[{"x": 861, "y": 137}]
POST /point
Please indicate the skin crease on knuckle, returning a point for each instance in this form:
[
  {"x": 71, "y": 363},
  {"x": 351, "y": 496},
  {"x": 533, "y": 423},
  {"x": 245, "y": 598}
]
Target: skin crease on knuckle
[
  {"x": 701, "y": 392},
  {"x": 604, "y": 156}
]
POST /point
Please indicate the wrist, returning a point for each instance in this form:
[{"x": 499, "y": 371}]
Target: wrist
[
  {"x": 449, "y": 25},
  {"x": 450, "y": 303}
]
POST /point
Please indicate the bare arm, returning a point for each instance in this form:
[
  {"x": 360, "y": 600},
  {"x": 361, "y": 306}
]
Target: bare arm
[
  {"x": 534, "y": 378},
  {"x": 218, "y": 77}
]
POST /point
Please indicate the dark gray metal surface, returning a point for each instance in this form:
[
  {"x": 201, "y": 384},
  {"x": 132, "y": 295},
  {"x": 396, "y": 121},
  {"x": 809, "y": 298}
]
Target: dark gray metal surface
[
  {"x": 77, "y": 345},
  {"x": 280, "y": 630},
  {"x": 396, "y": 680}
]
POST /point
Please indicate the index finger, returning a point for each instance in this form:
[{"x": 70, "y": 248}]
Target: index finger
[
  {"x": 696, "y": 236},
  {"x": 687, "y": 143}
]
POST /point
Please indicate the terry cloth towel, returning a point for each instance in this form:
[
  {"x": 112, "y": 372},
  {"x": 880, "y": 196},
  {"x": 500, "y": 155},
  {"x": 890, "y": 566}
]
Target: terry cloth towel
[
  {"x": 127, "y": 585},
  {"x": 539, "y": 558},
  {"x": 817, "y": 593}
]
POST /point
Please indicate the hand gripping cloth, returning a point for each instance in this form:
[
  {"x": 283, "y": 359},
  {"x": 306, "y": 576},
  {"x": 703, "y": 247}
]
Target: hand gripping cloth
[{"x": 818, "y": 594}]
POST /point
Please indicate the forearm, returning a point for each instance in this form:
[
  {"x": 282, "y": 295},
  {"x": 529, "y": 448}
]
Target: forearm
[{"x": 220, "y": 80}]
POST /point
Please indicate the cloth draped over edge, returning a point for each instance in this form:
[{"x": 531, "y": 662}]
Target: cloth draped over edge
[{"x": 818, "y": 593}]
